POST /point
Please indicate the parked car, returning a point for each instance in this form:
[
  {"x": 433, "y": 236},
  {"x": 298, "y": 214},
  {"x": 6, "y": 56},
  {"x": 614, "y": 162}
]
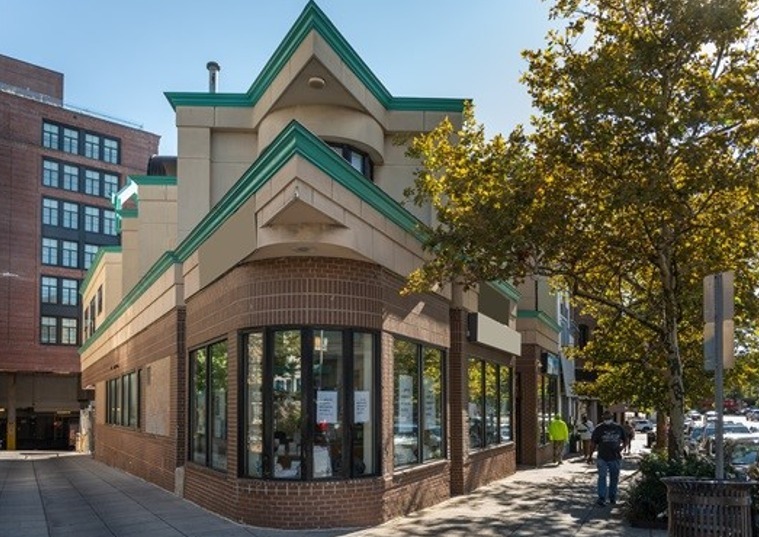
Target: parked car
[
  {"x": 643, "y": 425},
  {"x": 742, "y": 453},
  {"x": 728, "y": 428}
]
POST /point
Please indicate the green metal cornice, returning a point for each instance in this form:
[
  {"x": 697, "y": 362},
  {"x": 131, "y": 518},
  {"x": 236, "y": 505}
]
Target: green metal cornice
[
  {"x": 313, "y": 19},
  {"x": 95, "y": 262},
  {"x": 541, "y": 316},
  {"x": 506, "y": 289},
  {"x": 297, "y": 140},
  {"x": 154, "y": 180}
]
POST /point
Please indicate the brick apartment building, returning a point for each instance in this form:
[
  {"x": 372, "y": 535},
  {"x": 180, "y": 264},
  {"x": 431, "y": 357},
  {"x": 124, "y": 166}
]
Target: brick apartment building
[
  {"x": 254, "y": 353},
  {"x": 58, "y": 169}
]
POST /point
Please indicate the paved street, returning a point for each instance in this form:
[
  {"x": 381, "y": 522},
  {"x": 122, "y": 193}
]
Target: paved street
[{"x": 61, "y": 495}]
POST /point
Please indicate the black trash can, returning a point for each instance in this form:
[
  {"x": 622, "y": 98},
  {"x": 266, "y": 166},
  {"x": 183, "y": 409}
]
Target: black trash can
[{"x": 706, "y": 507}]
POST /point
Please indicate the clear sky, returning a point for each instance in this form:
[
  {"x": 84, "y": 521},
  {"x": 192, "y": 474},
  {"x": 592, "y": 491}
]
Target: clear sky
[{"x": 119, "y": 57}]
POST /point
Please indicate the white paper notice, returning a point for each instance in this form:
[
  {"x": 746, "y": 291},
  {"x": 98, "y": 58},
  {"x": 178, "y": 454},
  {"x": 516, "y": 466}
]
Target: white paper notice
[
  {"x": 361, "y": 406},
  {"x": 326, "y": 406},
  {"x": 405, "y": 400},
  {"x": 430, "y": 404}
]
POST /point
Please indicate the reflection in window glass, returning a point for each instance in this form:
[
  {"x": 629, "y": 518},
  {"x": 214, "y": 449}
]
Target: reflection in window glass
[
  {"x": 255, "y": 406},
  {"x": 70, "y": 215},
  {"x": 110, "y": 184},
  {"x": 506, "y": 428},
  {"x": 288, "y": 408},
  {"x": 327, "y": 370},
  {"x": 364, "y": 453},
  {"x": 489, "y": 408},
  {"x": 198, "y": 426},
  {"x": 92, "y": 182},
  {"x": 432, "y": 402},
  {"x": 218, "y": 420},
  {"x": 92, "y": 146},
  {"x": 70, "y": 251},
  {"x": 110, "y": 151},
  {"x": 476, "y": 410},
  {"x": 405, "y": 403}
]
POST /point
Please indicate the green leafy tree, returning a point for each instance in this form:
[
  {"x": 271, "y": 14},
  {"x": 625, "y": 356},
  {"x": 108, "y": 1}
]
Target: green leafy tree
[{"x": 637, "y": 179}]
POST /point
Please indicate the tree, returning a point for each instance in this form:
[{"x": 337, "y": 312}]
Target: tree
[{"x": 638, "y": 178}]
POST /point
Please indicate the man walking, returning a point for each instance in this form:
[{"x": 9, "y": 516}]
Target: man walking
[
  {"x": 559, "y": 434},
  {"x": 610, "y": 439}
]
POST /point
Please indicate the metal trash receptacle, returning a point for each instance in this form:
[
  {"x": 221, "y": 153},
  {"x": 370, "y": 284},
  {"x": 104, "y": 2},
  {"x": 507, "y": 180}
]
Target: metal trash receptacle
[{"x": 708, "y": 507}]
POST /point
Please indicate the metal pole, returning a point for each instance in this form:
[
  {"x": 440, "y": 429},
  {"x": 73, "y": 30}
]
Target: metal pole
[{"x": 719, "y": 472}]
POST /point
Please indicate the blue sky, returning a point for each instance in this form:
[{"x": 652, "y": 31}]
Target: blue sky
[{"x": 119, "y": 58}]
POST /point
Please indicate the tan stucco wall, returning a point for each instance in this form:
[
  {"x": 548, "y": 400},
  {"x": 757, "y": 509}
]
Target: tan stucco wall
[{"x": 157, "y": 397}]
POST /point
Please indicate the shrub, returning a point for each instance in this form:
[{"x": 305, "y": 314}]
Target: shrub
[{"x": 646, "y": 500}]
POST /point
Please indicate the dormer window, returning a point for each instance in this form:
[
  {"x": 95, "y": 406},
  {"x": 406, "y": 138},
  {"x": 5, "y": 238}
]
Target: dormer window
[{"x": 355, "y": 157}]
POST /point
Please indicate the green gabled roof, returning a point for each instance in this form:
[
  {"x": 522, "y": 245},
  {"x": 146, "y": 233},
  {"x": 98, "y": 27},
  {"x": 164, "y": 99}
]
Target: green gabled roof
[
  {"x": 313, "y": 18},
  {"x": 294, "y": 140},
  {"x": 297, "y": 140}
]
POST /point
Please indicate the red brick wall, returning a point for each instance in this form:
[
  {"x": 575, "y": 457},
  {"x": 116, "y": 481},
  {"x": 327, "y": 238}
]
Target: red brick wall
[
  {"x": 528, "y": 365},
  {"x": 149, "y": 456},
  {"x": 308, "y": 291},
  {"x": 31, "y": 77},
  {"x": 21, "y": 192}
]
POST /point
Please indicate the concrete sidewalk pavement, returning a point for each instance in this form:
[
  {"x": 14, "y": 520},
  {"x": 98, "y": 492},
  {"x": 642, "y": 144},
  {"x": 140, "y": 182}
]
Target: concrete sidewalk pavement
[{"x": 61, "y": 495}]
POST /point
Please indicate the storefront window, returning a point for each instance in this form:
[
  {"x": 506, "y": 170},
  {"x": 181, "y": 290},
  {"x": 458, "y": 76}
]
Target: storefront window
[
  {"x": 489, "y": 404},
  {"x": 325, "y": 375},
  {"x": 416, "y": 424},
  {"x": 548, "y": 404},
  {"x": 208, "y": 417}
]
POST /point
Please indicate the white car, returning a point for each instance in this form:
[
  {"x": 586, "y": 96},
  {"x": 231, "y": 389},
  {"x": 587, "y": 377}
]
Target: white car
[{"x": 643, "y": 426}]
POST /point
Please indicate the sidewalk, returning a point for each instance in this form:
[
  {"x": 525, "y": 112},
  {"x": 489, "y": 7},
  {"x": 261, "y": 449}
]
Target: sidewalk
[{"x": 61, "y": 494}]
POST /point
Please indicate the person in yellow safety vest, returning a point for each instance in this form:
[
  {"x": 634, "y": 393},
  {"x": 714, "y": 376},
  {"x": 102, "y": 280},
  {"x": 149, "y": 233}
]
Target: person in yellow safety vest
[{"x": 559, "y": 434}]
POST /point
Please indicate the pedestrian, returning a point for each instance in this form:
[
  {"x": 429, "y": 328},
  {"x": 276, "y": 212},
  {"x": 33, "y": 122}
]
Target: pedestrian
[
  {"x": 629, "y": 436},
  {"x": 584, "y": 428},
  {"x": 559, "y": 434},
  {"x": 609, "y": 438}
]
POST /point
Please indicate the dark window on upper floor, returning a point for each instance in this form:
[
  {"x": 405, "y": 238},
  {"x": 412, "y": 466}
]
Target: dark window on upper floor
[{"x": 358, "y": 159}]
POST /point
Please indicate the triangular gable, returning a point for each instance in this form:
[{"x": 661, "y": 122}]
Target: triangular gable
[
  {"x": 313, "y": 19},
  {"x": 297, "y": 140}
]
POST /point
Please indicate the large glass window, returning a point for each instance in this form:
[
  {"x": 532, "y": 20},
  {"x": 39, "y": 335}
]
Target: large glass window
[
  {"x": 417, "y": 403},
  {"x": 49, "y": 251},
  {"x": 92, "y": 146},
  {"x": 70, "y": 257},
  {"x": 489, "y": 409},
  {"x": 548, "y": 404},
  {"x": 92, "y": 182},
  {"x": 358, "y": 159},
  {"x": 110, "y": 184},
  {"x": 50, "y": 135},
  {"x": 70, "y": 178},
  {"x": 310, "y": 409},
  {"x": 70, "y": 141},
  {"x": 122, "y": 399},
  {"x": 111, "y": 150},
  {"x": 48, "y": 330},
  {"x": 68, "y": 331},
  {"x": 70, "y": 215},
  {"x": 109, "y": 222},
  {"x": 49, "y": 290},
  {"x": 90, "y": 251},
  {"x": 70, "y": 293},
  {"x": 92, "y": 219},
  {"x": 208, "y": 419},
  {"x": 50, "y": 173},
  {"x": 50, "y": 212}
]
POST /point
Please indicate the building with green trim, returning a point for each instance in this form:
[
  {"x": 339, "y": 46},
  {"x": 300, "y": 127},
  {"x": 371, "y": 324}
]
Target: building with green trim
[{"x": 256, "y": 354}]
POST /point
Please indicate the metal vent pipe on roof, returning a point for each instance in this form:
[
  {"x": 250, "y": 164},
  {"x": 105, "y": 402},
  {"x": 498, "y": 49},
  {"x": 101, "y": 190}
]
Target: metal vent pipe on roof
[{"x": 213, "y": 76}]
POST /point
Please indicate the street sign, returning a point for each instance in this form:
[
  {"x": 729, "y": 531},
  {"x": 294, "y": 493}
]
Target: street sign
[{"x": 724, "y": 305}]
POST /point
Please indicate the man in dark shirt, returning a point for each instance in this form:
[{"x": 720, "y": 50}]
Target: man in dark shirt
[{"x": 610, "y": 439}]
